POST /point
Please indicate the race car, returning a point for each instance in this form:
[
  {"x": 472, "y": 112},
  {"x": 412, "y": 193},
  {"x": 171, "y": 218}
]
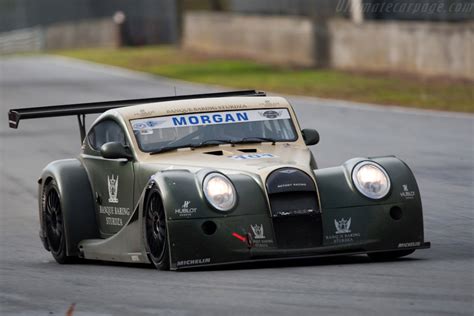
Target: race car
[{"x": 211, "y": 179}]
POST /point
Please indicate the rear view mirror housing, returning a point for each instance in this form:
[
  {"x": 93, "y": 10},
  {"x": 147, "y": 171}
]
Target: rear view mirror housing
[
  {"x": 310, "y": 136},
  {"x": 115, "y": 150}
]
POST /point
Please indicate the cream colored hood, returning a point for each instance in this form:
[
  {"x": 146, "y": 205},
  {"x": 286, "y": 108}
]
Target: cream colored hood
[{"x": 258, "y": 159}]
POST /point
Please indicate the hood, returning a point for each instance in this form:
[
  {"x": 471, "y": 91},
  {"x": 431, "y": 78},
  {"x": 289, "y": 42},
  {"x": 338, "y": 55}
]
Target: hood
[{"x": 260, "y": 159}]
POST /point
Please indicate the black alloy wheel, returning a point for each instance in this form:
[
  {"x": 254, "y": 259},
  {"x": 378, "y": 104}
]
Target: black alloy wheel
[
  {"x": 155, "y": 231},
  {"x": 54, "y": 223}
]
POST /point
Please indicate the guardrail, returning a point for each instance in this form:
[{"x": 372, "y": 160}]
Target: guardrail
[
  {"x": 20, "y": 41},
  {"x": 88, "y": 33}
]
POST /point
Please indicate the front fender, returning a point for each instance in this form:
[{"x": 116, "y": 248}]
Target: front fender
[
  {"x": 385, "y": 223},
  {"x": 190, "y": 218},
  {"x": 178, "y": 187},
  {"x": 77, "y": 202}
]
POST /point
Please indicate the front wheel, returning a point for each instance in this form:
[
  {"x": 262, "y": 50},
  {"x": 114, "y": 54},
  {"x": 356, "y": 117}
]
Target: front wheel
[
  {"x": 390, "y": 255},
  {"x": 54, "y": 223},
  {"x": 156, "y": 240}
]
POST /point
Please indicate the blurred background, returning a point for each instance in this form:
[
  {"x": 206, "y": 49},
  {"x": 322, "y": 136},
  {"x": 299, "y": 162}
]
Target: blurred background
[{"x": 403, "y": 52}]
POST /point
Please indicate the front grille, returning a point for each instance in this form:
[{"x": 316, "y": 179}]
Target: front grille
[
  {"x": 298, "y": 231},
  {"x": 293, "y": 203},
  {"x": 295, "y": 209}
]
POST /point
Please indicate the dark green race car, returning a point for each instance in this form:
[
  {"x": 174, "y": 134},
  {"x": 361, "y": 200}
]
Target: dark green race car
[{"x": 214, "y": 179}]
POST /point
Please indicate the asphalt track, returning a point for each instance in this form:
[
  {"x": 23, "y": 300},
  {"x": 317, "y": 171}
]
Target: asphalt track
[{"x": 439, "y": 148}]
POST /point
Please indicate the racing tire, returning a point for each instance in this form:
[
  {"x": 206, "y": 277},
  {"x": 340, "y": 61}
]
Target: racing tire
[
  {"x": 54, "y": 223},
  {"x": 389, "y": 255},
  {"x": 156, "y": 237}
]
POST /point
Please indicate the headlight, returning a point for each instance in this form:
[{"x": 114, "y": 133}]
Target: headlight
[
  {"x": 219, "y": 191},
  {"x": 371, "y": 180}
]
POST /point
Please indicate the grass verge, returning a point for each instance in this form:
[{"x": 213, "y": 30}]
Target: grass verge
[{"x": 448, "y": 95}]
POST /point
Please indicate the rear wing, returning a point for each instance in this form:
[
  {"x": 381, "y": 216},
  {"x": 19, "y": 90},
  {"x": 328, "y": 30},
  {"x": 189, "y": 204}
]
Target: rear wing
[{"x": 81, "y": 109}]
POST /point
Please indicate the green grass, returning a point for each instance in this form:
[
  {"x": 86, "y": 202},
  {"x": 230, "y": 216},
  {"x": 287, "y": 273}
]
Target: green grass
[{"x": 449, "y": 95}]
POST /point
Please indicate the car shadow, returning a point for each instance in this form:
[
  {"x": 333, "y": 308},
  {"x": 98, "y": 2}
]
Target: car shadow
[
  {"x": 290, "y": 263},
  {"x": 295, "y": 263}
]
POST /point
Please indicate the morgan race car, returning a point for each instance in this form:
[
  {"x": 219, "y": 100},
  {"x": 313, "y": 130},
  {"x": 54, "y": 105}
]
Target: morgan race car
[{"x": 210, "y": 179}]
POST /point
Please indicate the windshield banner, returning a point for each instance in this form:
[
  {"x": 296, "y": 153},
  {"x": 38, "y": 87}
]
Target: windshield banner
[{"x": 212, "y": 118}]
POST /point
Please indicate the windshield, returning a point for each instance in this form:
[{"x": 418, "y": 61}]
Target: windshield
[{"x": 158, "y": 134}]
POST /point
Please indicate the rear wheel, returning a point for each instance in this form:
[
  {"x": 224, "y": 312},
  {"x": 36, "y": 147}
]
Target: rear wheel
[
  {"x": 54, "y": 223},
  {"x": 156, "y": 239},
  {"x": 389, "y": 255}
]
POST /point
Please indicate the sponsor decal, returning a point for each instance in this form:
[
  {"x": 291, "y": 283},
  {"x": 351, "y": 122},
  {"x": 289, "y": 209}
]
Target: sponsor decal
[
  {"x": 112, "y": 212},
  {"x": 271, "y": 114},
  {"x": 409, "y": 244},
  {"x": 296, "y": 212},
  {"x": 270, "y": 103},
  {"x": 343, "y": 226},
  {"x": 142, "y": 113},
  {"x": 291, "y": 185},
  {"x": 139, "y": 126},
  {"x": 146, "y": 131},
  {"x": 146, "y": 125},
  {"x": 152, "y": 123},
  {"x": 252, "y": 156},
  {"x": 193, "y": 262},
  {"x": 113, "y": 188},
  {"x": 185, "y": 209},
  {"x": 209, "y": 118},
  {"x": 343, "y": 233},
  {"x": 258, "y": 232},
  {"x": 135, "y": 258},
  {"x": 257, "y": 238},
  {"x": 225, "y": 107},
  {"x": 113, "y": 221},
  {"x": 407, "y": 194}
]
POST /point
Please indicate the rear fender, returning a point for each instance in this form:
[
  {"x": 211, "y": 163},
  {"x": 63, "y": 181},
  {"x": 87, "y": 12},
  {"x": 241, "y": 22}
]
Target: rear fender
[{"x": 77, "y": 202}]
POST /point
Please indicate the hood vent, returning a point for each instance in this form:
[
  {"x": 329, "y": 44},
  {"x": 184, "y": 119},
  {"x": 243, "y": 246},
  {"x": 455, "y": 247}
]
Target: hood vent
[
  {"x": 215, "y": 153},
  {"x": 226, "y": 153},
  {"x": 249, "y": 150}
]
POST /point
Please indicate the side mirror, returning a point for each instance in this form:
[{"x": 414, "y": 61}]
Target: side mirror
[
  {"x": 115, "y": 150},
  {"x": 310, "y": 136}
]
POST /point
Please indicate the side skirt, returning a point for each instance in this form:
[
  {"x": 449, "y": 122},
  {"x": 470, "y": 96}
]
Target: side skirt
[{"x": 125, "y": 246}]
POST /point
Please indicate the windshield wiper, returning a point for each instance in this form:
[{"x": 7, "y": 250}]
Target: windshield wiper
[
  {"x": 164, "y": 149},
  {"x": 209, "y": 142},
  {"x": 253, "y": 139},
  {"x": 212, "y": 142},
  {"x": 245, "y": 140}
]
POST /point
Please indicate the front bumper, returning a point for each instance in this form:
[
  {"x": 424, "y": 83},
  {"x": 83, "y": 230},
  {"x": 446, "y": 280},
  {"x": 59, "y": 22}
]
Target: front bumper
[
  {"x": 344, "y": 221},
  {"x": 371, "y": 229}
]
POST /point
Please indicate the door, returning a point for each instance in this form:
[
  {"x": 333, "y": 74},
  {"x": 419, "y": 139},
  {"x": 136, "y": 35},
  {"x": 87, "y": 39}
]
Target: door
[{"x": 112, "y": 180}]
